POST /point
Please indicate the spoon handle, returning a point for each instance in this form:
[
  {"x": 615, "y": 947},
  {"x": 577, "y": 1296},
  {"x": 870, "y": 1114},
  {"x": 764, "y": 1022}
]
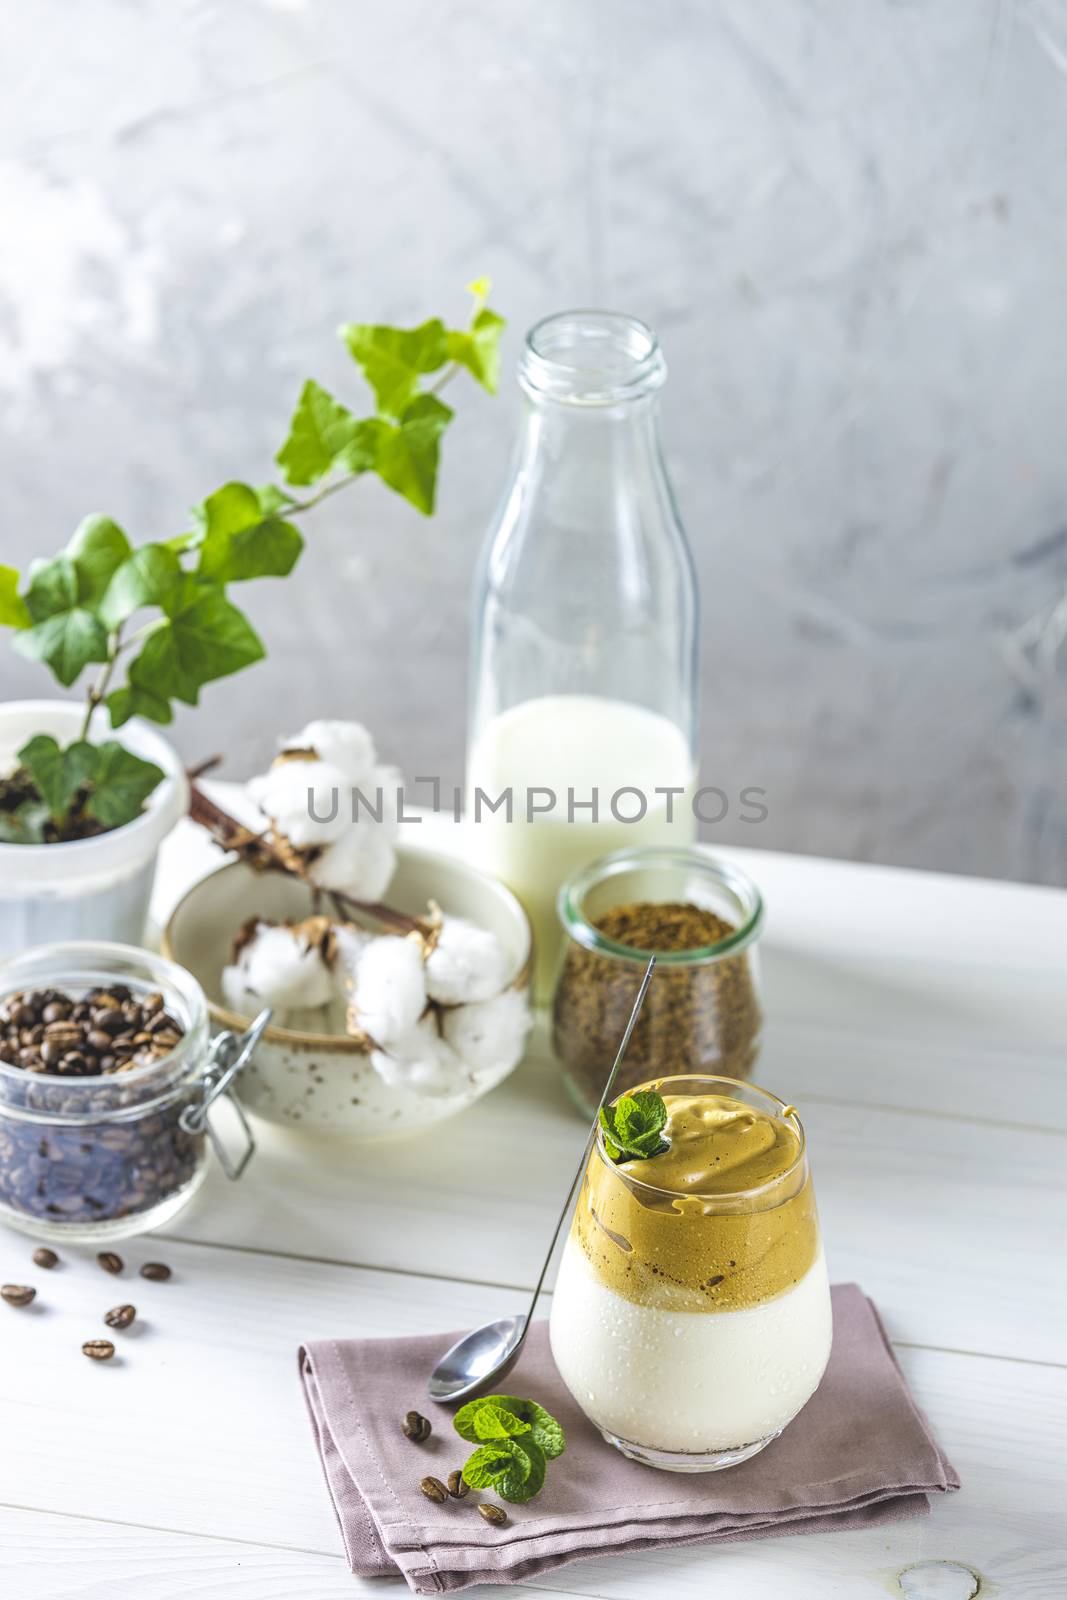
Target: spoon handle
[{"x": 634, "y": 1014}]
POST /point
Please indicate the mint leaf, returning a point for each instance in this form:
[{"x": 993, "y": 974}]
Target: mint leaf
[
  {"x": 119, "y": 782},
  {"x": 67, "y": 642},
  {"x": 493, "y": 1422},
  {"x": 142, "y": 580},
  {"x": 97, "y": 548},
  {"x": 408, "y": 455},
  {"x": 13, "y": 613},
  {"x": 392, "y": 359},
  {"x": 55, "y": 779},
  {"x": 514, "y": 1468},
  {"x": 319, "y": 430},
  {"x": 545, "y": 1430},
  {"x": 135, "y": 701},
  {"x": 202, "y": 637},
  {"x": 478, "y": 349},
  {"x": 633, "y": 1126},
  {"x": 240, "y": 542}
]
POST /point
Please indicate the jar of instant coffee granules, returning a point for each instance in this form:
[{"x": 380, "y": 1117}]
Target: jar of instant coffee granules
[
  {"x": 106, "y": 1074},
  {"x": 702, "y": 919}
]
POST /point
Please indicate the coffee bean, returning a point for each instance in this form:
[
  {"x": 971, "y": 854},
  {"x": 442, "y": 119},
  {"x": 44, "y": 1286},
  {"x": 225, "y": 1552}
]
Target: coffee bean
[
  {"x": 23, "y": 1016},
  {"x": 458, "y": 1485},
  {"x": 17, "y": 1294},
  {"x": 120, "y": 1316},
  {"x": 434, "y": 1489},
  {"x": 109, "y": 1261},
  {"x": 57, "y": 1011},
  {"x": 151, "y": 1004},
  {"x": 157, "y": 1271},
  {"x": 98, "y": 1349},
  {"x": 417, "y": 1428},
  {"x": 494, "y": 1514},
  {"x": 43, "y": 1257},
  {"x": 109, "y": 1021},
  {"x": 51, "y": 1052},
  {"x": 98, "y": 1040}
]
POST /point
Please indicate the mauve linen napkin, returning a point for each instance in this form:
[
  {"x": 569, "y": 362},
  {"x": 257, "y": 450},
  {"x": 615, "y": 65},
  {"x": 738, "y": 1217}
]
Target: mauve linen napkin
[{"x": 860, "y": 1453}]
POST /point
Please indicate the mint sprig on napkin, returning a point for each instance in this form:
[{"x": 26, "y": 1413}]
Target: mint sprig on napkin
[
  {"x": 633, "y": 1126},
  {"x": 515, "y": 1438}
]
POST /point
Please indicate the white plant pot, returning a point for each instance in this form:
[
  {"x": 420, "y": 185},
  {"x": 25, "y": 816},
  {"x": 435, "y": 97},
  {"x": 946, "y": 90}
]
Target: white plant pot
[{"x": 90, "y": 888}]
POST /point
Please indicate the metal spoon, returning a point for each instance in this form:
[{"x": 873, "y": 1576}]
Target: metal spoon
[{"x": 479, "y": 1358}]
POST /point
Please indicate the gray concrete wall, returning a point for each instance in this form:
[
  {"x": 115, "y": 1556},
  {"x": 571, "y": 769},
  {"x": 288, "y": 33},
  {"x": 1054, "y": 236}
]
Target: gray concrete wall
[{"x": 847, "y": 222}]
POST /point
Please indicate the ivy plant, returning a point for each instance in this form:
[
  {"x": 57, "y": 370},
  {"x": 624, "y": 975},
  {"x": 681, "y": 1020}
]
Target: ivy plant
[{"x": 158, "y": 621}]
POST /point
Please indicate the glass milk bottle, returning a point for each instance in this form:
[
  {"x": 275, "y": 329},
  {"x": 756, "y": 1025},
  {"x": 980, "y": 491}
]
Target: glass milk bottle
[{"x": 583, "y": 676}]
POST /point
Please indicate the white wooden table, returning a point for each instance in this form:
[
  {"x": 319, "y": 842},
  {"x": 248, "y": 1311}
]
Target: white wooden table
[{"x": 920, "y": 1023}]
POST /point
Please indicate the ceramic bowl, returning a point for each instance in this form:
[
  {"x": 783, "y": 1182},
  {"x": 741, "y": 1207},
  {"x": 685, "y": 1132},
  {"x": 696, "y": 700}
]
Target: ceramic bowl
[{"x": 325, "y": 1082}]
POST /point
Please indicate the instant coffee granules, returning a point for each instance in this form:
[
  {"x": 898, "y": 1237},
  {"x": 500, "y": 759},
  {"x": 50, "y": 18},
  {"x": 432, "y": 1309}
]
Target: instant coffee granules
[{"x": 699, "y": 1016}]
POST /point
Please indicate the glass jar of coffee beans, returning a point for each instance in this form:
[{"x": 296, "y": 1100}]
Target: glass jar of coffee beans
[
  {"x": 702, "y": 919},
  {"x": 102, "y": 1049}
]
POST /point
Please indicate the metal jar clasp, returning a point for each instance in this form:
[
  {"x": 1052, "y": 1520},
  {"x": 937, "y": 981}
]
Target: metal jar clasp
[{"x": 228, "y": 1053}]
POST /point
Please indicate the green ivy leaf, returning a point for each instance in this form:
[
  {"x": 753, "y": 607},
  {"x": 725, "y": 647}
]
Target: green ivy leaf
[
  {"x": 478, "y": 349},
  {"x": 135, "y": 701},
  {"x": 98, "y": 548},
  {"x": 272, "y": 498},
  {"x": 13, "y": 613},
  {"x": 26, "y": 824},
  {"x": 55, "y": 779},
  {"x": 52, "y": 588},
  {"x": 393, "y": 359},
  {"x": 320, "y": 429},
  {"x": 67, "y": 642},
  {"x": 202, "y": 637},
  {"x": 240, "y": 542},
  {"x": 142, "y": 580},
  {"x": 408, "y": 455},
  {"x": 119, "y": 781}
]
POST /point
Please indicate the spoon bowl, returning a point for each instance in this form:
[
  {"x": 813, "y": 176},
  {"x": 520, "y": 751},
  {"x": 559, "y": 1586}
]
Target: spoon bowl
[{"x": 478, "y": 1358}]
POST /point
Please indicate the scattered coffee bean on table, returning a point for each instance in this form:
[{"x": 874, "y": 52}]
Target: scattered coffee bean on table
[
  {"x": 494, "y": 1514},
  {"x": 45, "y": 1258},
  {"x": 434, "y": 1489},
  {"x": 417, "y": 1428},
  {"x": 98, "y": 1349},
  {"x": 458, "y": 1485},
  {"x": 18, "y": 1294},
  {"x": 155, "y": 1271},
  {"x": 697, "y": 1018},
  {"x": 110, "y": 1261},
  {"x": 120, "y": 1316}
]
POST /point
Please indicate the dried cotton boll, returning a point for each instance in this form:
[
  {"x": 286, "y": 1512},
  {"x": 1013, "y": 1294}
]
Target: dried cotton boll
[
  {"x": 388, "y": 994},
  {"x": 360, "y": 863},
  {"x": 490, "y": 1035},
  {"x": 345, "y": 745},
  {"x": 295, "y": 793},
  {"x": 420, "y": 1060},
  {"x": 277, "y": 967},
  {"x": 467, "y": 963}
]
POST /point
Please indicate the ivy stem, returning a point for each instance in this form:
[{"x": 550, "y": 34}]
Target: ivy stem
[{"x": 96, "y": 694}]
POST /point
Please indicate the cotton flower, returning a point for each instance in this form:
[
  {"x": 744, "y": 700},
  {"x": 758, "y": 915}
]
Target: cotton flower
[
  {"x": 360, "y": 863},
  {"x": 467, "y": 963},
  {"x": 490, "y": 1035},
  {"x": 295, "y": 794},
  {"x": 345, "y": 745},
  {"x": 420, "y": 1060},
  {"x": 388, "y": 989},
  {"x": 277, "y": 966}
]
